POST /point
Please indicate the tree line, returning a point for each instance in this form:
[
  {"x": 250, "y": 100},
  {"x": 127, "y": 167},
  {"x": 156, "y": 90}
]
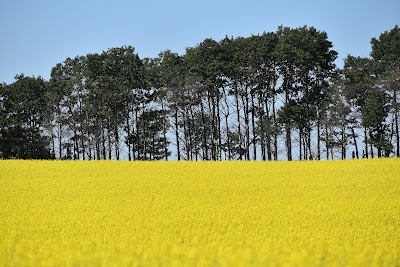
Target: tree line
[{"x": 276, "y": 95}]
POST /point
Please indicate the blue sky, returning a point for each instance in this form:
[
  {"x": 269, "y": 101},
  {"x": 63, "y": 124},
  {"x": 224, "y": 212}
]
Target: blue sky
[{"x": 36, "y": 35}]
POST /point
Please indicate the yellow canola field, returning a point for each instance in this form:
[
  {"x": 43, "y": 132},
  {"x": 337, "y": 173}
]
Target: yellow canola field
[{"x": 103, "y": 213}]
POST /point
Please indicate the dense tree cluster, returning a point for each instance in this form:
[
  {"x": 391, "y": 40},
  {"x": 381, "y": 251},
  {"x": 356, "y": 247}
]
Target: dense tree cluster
[{"x": 272, "y": 96}]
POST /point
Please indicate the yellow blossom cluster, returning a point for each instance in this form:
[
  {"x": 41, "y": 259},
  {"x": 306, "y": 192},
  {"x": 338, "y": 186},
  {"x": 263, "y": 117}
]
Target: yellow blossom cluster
[{"x": 113, "y": 213}]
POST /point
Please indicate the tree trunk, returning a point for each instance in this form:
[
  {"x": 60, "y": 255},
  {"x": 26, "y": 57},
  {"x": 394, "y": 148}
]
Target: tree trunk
[
  {"x": 128, "y": 133},
  {"x": 238, "y": 120},
  {"x": 144, "y": 125},
  {"x": 227, "y": 137},
  {"x": 287, "y": 127},
  {"x": 212, "y": 109},
  {"x": 76, "y": 147},
  {"x": 83, "y": 145},
  {"x": 275, "y": 133},
  {"x": 185, "y": 135},
  {"x": 366, "y": 142},
  {"x": 89, "y": 147},
  {"x": 177, "y": 133},
  {"x": 326, "y": 140},
  {"x": 247, "y": 125},
  {"x": 133, "y": 144},
  {"x": 165, "y": 135},
  {"x": 116, "y": 136},
  {"x": 343, "y": 145},
  {"x": 219, "y": 127},
  {"x": 253, "y": 124},
  {"x": 228, "y": 141},
  {"x": 189, "y": 130},
  {"x": 300, "y": 142},
  {"x": 59, "y": 136},
  {"x": 288, "y": 144},
  {"x": 318, "y": 136},
  {"x": 372, "y": 150},
  {"x": 379, "y": 152},
  {"x": 194, "y": 133},
  {"x": 203, "y": 120},
  {"x": 75, "y": 143},
  {"x": 82, "y": 128},
  {"x": 305, "y": 146},
  {"x": 309, "y": 145},
  {"x": 396, "y": 125},
  {"x": 261, "y": 108},
  {"x": 53, "y": 144},
  {"x": 103, "y": 144},
  {"x": 152, "y": 152},
  {"x": 355, "y": 141},
  {"x": 137, "y": 134},
  {"x": 109, "y": 143},
  {"x": 190, "y": 134},
  {"x": 88, "y": 136},
  {"x": 245, "y": 103}
]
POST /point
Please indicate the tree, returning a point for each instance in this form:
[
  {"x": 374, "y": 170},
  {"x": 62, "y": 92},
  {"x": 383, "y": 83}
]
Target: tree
[
  {"x": 23, "y": 108},
  {"x": 374, "y": 114},
  {"x": 124, "y": 79},
  {"x": 236, "y": 98},
  {"x": 386, "y": 51},
  {"x": 204, "y": 64},
  {"x": 359, "y": 79},
  {"x": 306, "y": 62},
  {"x": 172, "y": 79},
  {"x": 153, "y": 142},
  {"x": 338, "y": 120}
]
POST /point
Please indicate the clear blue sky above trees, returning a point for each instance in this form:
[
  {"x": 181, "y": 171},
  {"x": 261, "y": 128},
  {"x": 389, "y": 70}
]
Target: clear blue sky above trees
[{"x": 36, "y": 35}]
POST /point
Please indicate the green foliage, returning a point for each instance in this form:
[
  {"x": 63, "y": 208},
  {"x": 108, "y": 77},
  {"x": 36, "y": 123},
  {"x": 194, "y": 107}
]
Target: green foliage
[
  {"x": 152, "y": 141},
  {"x": 229, "y": 96},
  {"x": 360, "y": 77},
  {"x": 23, "y": 109},
  {"x": 386, "y": 49},
  {"x": 374, "y": 115}
]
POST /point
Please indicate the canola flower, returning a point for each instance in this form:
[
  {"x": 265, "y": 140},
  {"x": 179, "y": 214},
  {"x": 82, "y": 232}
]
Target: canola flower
[{"x": 108, "y": 213}]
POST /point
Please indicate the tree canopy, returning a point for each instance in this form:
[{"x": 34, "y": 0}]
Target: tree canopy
[{"x": 275, "y": 95}]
